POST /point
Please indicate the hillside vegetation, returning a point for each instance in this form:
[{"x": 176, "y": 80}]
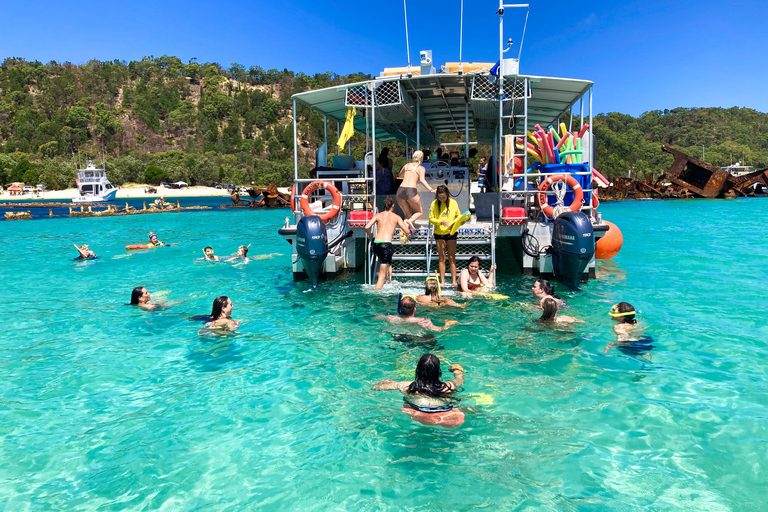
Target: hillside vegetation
[{"x": 202, "y": 123}]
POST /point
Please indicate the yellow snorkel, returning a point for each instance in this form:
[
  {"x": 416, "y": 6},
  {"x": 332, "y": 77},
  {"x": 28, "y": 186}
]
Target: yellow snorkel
[{"x": 614, "y": 313}]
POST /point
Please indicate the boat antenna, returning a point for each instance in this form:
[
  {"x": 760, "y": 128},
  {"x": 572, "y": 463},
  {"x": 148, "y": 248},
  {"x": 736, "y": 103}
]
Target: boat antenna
[
  {"x": 520, "y": 53},
  {"x": 407, "y": 44},
  {"x": 461, "y": 35}
]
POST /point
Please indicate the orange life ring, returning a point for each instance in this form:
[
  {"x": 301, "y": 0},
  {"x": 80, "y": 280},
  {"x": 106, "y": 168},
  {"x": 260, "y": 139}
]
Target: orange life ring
[
  {"x": 327, "y": 185},
  {"x": 595, "y": 200},
  {"x": 293, "y": 197},
  {"x": 578, "y": 193}
]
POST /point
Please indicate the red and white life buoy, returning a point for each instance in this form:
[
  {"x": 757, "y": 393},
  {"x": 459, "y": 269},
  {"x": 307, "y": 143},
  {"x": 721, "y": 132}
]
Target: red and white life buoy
[
  {"x": 578, "y": 193},
  {"x": 316, "y": 185}
]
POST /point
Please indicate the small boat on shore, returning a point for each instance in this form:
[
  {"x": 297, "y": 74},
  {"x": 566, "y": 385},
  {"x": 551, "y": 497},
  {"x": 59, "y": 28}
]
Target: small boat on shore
[{"x": 93, "y": 185}]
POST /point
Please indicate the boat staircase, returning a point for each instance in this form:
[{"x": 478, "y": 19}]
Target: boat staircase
[{"x": 418, "y": 258}]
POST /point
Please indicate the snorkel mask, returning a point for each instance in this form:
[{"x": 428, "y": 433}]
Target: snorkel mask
[
  {"x": 437, "y": 282},
  {"x": 614, "y": 313}
]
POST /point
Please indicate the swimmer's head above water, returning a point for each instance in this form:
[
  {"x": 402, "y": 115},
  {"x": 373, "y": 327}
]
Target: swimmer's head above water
[
  {"x": 406, "y": 305},
  {"x": 139, "y": 295},
  {"x": 550, "y": 307},
  {"x": 624, "y": 313},
  {"x": 222, "y": 307},
  {"x": 432, "y": 287},
  {"x": 242, "y": 251}
]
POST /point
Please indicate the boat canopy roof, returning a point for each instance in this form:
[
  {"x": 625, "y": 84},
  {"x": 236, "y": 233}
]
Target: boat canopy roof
[{"x": 442, "y": 100}]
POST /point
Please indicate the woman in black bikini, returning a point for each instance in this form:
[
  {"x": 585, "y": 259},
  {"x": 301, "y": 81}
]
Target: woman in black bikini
[{"x": 407, "y": 195}]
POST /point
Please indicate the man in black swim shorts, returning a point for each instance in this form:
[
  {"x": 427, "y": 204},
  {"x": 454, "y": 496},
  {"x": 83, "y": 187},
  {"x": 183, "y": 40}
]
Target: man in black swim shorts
[{"x": 386, "y": 222}]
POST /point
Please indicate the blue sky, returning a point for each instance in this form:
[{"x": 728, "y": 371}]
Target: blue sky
[{"x": 641, "y": 55}]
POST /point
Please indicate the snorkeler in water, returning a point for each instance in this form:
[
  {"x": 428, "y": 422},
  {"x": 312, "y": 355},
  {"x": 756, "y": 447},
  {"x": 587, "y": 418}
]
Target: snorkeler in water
[
  {"x": 209, "y": 256},
  {"x": 628, "y": 338},
  {"x": 242, "y": 255},
  {"x": 406, "y": 310},
  {"x": 220, "y": 314},
  {"x": 550, "y": 307},
  {"x": 84, "y": 252},
  {"x": 432, "y": 295}
]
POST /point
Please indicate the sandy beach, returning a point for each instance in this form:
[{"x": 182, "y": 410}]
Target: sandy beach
[{"x": 125, "y": 192}]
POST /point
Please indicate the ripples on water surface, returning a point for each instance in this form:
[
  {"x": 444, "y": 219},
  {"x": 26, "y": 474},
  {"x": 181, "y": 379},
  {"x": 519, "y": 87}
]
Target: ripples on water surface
[{"x": 105, "y": 407}]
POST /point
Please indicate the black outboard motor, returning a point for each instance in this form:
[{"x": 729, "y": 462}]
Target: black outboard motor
[
  {"x": 312, "y": 246},
  {"x": 574, "y": 244}
]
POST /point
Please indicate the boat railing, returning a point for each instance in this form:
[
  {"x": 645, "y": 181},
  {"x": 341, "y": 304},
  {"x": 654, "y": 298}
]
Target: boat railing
[{"x": 359, "y": 191}]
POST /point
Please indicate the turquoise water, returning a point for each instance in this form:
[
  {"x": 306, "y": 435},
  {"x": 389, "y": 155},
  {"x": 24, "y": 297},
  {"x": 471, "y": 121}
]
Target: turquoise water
[{"x": 107, "y": 407}]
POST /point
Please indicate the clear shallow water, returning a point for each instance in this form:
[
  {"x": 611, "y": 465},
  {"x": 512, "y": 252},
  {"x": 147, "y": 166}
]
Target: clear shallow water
[{"x": 105, "y": 407}]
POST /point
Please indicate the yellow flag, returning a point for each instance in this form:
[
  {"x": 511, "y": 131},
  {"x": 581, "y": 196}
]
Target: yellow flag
[{"x": 349, "y": 128}]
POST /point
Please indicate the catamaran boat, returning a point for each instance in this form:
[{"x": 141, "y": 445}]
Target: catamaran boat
[
  {"x": 93, "y": 185},
  {"x": 542, "y": 216}
]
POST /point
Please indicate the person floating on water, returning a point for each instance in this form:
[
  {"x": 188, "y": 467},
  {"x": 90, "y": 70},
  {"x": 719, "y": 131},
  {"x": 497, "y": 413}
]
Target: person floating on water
[
  {"x": 426, "y": 398},
  {"x": 432, "y": 295},
  {"x": 550, "y": 307},
  {"x": 407, "y": 195},
  {"x": 473, "y": 281},
  {"x": 154, "y": 241},
  {"x": 542, "y": 289},
  {"x": 626, "y": 329},
  {"x": 209, "y": 256},
  {"x": 386, "y": 221},
  {"x": 220, "y": 314},
  {"x": 140, "y": 297},
  {"x": 406, "y": 309},
  {"x": 442, "y": 213},
  {"x": 242, "y": 254},
  {"x": 84, "y": 252}
]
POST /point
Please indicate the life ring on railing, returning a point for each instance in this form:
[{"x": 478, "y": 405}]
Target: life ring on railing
[
  {"x": 595, "y": 200},
  {"x": 293, "y": 197},
  {"x": 578, "y": 193},
  {"x": 327, "y": 185}
]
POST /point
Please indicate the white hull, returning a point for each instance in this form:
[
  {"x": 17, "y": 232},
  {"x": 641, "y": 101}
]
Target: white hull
[{"x": 100, "y": 198}]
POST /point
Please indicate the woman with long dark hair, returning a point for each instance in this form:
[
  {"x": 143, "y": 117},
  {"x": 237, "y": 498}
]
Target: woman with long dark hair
[
  {"x": 428, "y": 399},
  {"x": 442, "y": 214},
  {"x": 220, "y": 314},
  {"x": 140, "y": 297},
  {"x": 473, "y": 281}
]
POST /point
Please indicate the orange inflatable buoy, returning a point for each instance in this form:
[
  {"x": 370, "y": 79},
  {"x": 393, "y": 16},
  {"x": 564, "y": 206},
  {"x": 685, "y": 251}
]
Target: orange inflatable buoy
[
  {"x": 610, "y": 244},
  {"x": 447, "y": 419}
]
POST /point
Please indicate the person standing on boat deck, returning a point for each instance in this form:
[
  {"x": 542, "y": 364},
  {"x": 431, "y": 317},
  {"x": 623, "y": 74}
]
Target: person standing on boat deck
[
  {"x": 407, "y": 314},
  {"x": 442, "y": 213},
  {"x": 220, "y": 314},
  {"x": 482, "y": 168},
  {"x": 386, "y": 221},
  {"x": 385, "y": 182},
  {"x": 407, "y": 195},
  {"x": 473, "y": 281}
]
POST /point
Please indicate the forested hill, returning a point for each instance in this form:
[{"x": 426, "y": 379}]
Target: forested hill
[{"x": 202, "y": 123}]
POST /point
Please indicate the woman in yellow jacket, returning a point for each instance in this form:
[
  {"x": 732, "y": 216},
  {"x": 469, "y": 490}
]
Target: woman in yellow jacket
[{"x": 443, "y": 212}]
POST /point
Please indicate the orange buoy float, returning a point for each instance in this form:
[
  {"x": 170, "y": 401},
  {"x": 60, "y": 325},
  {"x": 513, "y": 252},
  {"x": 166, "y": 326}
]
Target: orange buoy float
[
  {"x": 447, "y": 419},
  {"x": 610, "y": 244},
  {"x": 316, "y": 185},
  {"x": 293, "y": 197}
]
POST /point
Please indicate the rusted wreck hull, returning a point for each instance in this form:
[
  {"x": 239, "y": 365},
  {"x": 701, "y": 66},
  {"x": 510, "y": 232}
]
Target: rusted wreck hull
[{"x": 692, "y": 174}]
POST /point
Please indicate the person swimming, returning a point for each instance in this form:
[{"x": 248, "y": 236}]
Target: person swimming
[
  {"x": 542, "y": 289},
  {"x": 550, "y": 307},
  {"x": 406, "y": 309},
  {"x": 220, "y": 314},
  {"x": 427, "y": 394},
  {"x": 473, "y": 281},
  {"x": 242, "y": 255},
  {"x": 432, "y": 295},
  {"x": 209, "y": 256},
  {"x": 84, "y": 253},
  {"x": 140, "y": 297},
  {"x": 154, "y": 241},
  {"x": 626, "y": 329}
]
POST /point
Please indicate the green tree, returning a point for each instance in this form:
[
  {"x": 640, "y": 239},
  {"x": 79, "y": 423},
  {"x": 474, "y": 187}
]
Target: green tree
[{"x": 154, "y": 175}]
